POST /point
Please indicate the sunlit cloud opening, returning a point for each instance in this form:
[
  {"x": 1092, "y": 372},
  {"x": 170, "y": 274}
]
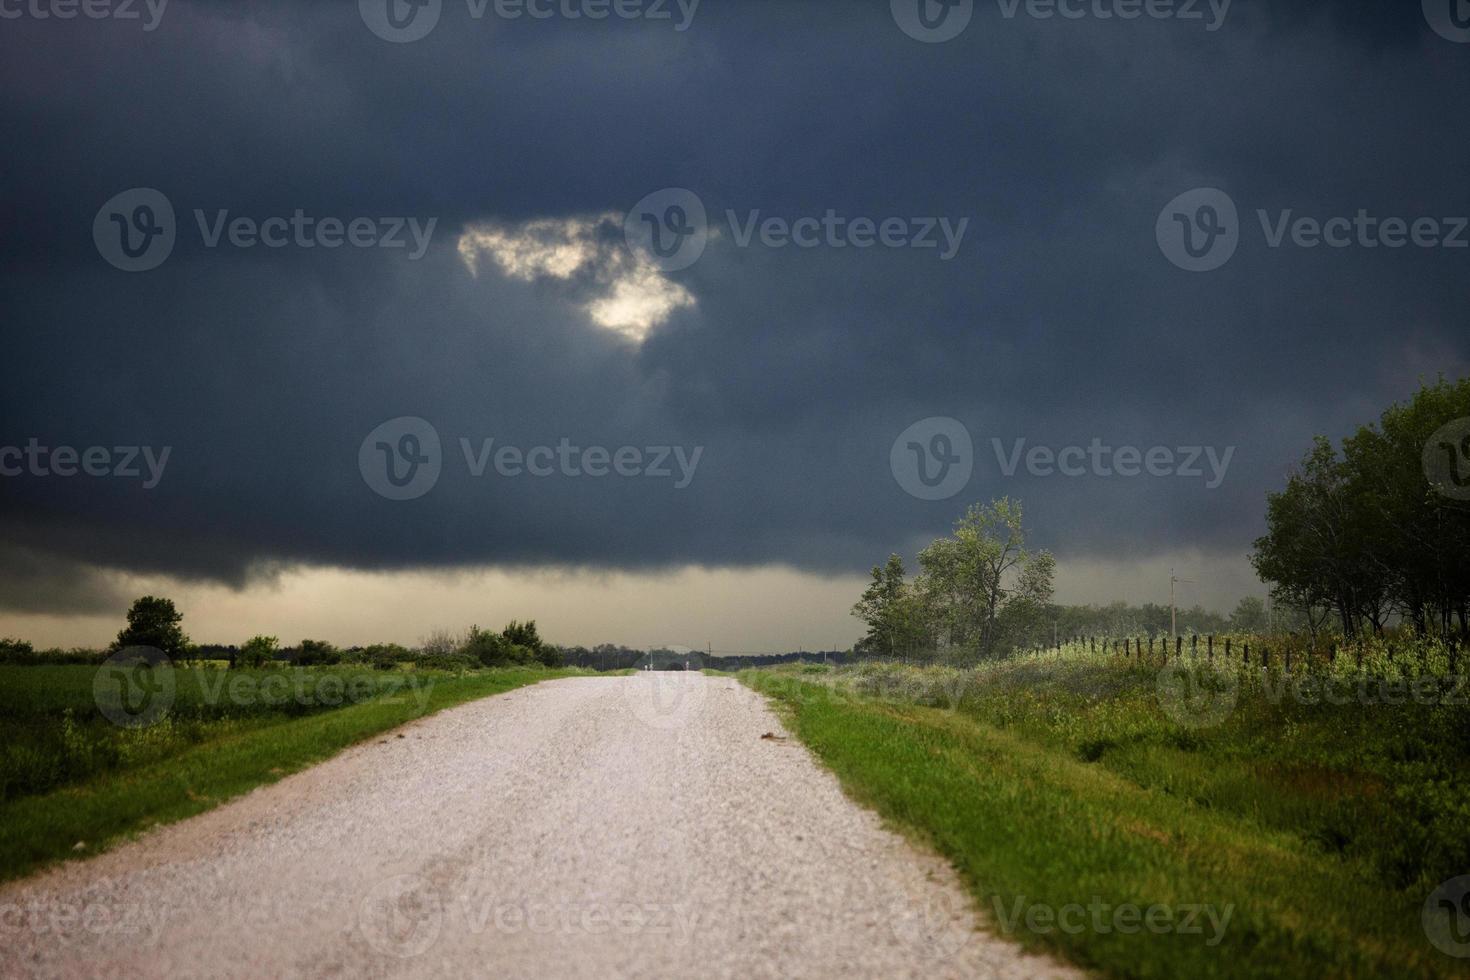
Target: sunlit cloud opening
[{"x": 625, "y": 292}]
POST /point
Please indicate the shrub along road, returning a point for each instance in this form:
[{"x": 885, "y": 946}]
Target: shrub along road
[{"x": 652, "y": 825}]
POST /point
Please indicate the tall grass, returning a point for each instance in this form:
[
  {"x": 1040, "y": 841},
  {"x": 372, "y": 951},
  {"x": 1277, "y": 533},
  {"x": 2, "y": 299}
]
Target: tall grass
[{"x": 1066, "y": 776}]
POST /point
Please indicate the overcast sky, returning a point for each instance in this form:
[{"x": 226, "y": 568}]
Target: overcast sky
[{"x": 987, "y": 240}]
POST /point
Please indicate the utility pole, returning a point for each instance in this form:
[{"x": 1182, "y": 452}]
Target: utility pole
[{"x": 1173, "y": 611}]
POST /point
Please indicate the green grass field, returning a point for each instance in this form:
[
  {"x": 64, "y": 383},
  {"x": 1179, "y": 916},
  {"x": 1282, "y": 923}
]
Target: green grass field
[
  {"x": 72, "y": 782},
  {"x": 1057, "y": 782}
]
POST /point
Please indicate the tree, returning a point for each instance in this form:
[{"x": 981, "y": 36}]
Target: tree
[
  {"x": 490, "y": 649},
  {"x": 1249, "y": 616},
  {"x": 317, "y": 653},
  {"x": 522, "y": 634},
  {"x": 1380, "y": 529},
  {"x": 882, "y": 607},
  {"x": 258, "y": 651},
  {"x": 154, "y": 622},
  {"x": 982, "y": 571}
]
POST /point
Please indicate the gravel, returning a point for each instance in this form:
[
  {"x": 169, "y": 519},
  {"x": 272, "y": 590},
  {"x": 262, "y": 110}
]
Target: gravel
[{"x": 658, "y": 825}]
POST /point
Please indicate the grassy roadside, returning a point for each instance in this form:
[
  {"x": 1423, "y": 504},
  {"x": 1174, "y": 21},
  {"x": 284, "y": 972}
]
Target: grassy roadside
[
  {"x": 98, "y": 813},
  {"x": 1035, "y": 827}
]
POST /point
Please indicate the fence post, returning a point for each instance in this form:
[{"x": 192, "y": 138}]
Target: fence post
[
  {"x": 1150, "y": 646},
  {"x": 1227, "y": 647},
  {"x": 1178, "y": 646},
  {"x": 1194, "y": 644},
  {"x": 1210, "y": 646},
  {"x": 1246, "y": 656}
]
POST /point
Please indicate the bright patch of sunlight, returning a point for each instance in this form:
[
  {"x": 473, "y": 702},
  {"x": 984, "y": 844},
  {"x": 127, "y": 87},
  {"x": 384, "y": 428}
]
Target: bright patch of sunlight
[{"x": 619, "y": 289}]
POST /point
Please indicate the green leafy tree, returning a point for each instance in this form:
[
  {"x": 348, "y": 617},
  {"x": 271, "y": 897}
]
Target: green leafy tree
[
  {"x": 258, "y": 651},
  {"x": 154, "y": 622},
  {"x": 982, "y": 571},
  {"x": 522, "y": 634},
  {"x": 1249, "y": 616},
  {"x": 886, "y": 608},
  {"x": 317, "y": 653}
]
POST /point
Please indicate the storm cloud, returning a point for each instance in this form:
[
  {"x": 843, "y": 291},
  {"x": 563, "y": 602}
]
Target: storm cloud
[{"x": 791, "y": 367}]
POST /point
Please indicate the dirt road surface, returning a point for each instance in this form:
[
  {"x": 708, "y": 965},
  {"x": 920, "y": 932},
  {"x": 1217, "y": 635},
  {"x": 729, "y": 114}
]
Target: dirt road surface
[{"x": 587, "y": 827}]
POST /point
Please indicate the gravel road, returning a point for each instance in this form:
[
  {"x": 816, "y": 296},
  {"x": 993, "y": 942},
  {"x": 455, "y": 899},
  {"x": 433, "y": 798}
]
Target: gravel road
[{"x": 636, "y": 826}]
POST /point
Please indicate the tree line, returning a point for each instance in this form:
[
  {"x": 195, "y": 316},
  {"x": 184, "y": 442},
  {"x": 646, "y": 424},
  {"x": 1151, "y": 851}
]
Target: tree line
[{"x": 1377, "y": 531}]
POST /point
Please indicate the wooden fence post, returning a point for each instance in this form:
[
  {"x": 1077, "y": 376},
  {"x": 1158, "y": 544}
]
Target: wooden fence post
[
  {"x": 1246, "y": 656},
  {"x": 1210, "y": 646}
]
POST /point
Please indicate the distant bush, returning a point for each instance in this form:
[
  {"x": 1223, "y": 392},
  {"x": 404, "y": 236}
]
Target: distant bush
[
  {"x": 258, "y": 651},
  {"x": 447, "y": 661},
  {"x": 317, "y": 653},
  {"x": 21, "y": 653},
  {"x": 16, "y": 651},
  {"x": 487, "y": 648},
  {"x": 382, "y": 656}
]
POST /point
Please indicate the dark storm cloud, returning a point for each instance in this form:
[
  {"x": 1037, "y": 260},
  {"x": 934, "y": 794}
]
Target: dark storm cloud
[{"x": 1058, "y": 321}]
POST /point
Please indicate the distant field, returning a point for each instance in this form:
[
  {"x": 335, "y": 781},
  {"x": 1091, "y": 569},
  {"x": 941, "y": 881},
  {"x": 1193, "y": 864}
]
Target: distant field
[
  {"x": 1057, "y": 781},
  {"x": 72, "y": 781}
]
